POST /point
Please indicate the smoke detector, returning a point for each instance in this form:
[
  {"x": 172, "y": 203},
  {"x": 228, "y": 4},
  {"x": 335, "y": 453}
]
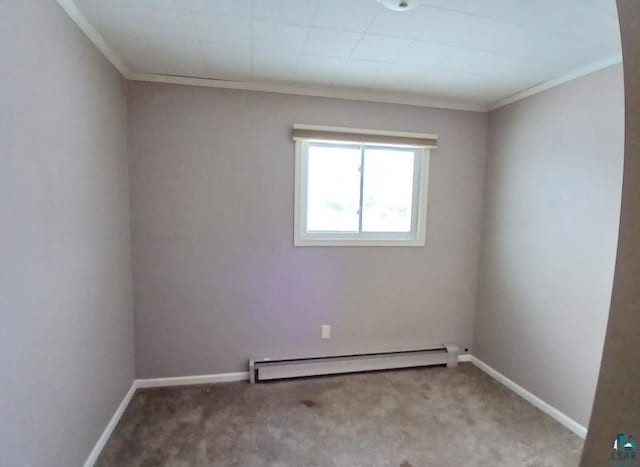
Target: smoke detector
[{"x": 400, "y": 5}]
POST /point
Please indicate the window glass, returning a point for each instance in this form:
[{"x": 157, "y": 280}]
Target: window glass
[
  {"x": 387, "y": 190},
  {"x": 360, "y": 194},
  {"x": 333, "y": 189}
]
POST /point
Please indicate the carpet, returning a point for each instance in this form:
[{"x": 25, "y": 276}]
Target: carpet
[{"x": 407, "y": 418}]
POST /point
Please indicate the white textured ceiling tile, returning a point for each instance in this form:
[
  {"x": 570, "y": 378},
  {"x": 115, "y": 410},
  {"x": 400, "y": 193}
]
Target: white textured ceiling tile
[
  {"x": 422, "y": 53},
  {"x": 571, "y": 19},
  {"x": 584, "y": 23},
  {"x": 442, "y": 80},
  {"x": 299, "y": 12},
  {"x": 177, "y": 57},
  {"x": 331, "y": 43},
  {"x": 484, "y": 63},
  {"x": 237, "y": 8},
  {"x": 163, "y": 4},
  {"x": 125, "y": 43},
  {"x": 478, "y": 92},
  {"x": 227, "y": 62},
  {"x": 314, "y": 69},
  {"x": 437, "y": 82},
  {"x": 405, "y": 24},
  {"x": 403, "y": 78},
  {"x": 434, "y": 81},
  {"x": 166, "y": 23},
  {"x": 468, "y": 6},
  {"x": 380, "y": 48},
  {"x": 473, "y": 32},
  {"x": 109, "y": 20},
  {"x": 273, "y": 66},
  {"x": 223, "y": 29},
  {"x": 501, "y": 10},
  {"x": 277, "y": 36},
  {"x": 350, "y": 15},
  {"x": 363, "y": 73},
  {"x": 502, "y": 87},
  {"x": 607, "y": 7},
  {"x": 535, "y": 15},
  {"x": 570, "y": 55},
  {"x": 135, "y": 51},
  {"x": 471, "y": 49}
]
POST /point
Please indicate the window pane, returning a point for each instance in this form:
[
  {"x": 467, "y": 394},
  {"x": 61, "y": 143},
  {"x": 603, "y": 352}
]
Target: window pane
[
  {"x": 387, "y": 190},
  {"x": 333, "y": 192}
]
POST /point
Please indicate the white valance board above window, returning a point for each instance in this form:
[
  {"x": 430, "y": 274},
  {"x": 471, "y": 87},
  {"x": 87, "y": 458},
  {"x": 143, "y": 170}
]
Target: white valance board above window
[{"x": 356, "y": 135}]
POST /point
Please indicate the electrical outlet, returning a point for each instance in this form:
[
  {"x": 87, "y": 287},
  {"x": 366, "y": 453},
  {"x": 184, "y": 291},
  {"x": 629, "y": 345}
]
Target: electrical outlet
[{"x": 326, "y": 331}]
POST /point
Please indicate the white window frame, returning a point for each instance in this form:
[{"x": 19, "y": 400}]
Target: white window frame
[{"x": 414, "y": 238}]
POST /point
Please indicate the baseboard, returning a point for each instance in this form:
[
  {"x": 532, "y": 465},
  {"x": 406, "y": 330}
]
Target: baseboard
[
  {"x": 152, "y": 383},
  {"x": 563, "y": 419},
  {"x": 215, "y": 378},
  {"x": 104, "y": 437},
  {"x": 186, "y": 380}
]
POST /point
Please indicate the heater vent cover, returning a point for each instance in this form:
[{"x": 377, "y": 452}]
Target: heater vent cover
[{"x": 267, "y": 369}]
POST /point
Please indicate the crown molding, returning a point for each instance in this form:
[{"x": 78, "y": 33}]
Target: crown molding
[
  {"x": 94, "y": 36},
  {"x": 579, "y": 73},
  {"x": 381, "y": 96},
  {"x": 335, "y": 93}
]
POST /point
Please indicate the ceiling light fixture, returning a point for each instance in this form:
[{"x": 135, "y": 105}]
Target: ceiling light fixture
[{"x": 400, "y": 5}]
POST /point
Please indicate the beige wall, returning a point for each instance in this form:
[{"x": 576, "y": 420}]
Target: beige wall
[
  {"x": 551, "y": 214},
  {"x": 217, "y": 279},
  {"x": 66, "y": 340},
  {"x": 617, "y": 404}
]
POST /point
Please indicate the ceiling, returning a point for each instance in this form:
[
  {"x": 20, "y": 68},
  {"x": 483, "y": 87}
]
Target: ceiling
[{"x": 470, "y": 51}]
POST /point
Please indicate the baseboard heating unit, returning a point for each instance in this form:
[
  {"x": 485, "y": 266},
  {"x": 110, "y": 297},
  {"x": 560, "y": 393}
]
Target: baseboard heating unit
[{"x": 267, "y": 369}]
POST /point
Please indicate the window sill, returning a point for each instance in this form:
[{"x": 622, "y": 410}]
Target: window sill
[{"x": 358, "y": 242}]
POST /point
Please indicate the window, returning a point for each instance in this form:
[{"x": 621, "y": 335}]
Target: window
[{"x": 360, "y": 193}]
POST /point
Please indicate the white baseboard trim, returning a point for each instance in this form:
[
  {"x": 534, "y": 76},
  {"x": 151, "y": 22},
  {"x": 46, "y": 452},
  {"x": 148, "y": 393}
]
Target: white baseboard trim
[
  {"x": 154, "y": 383},
  {"x": 104, "y": 437},
  {"x": 186, "y": 380},
  {"x": 563, "y": 419}
]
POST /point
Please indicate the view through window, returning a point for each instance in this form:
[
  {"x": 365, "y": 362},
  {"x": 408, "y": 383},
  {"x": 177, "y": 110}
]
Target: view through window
[{"x": 359, "y": 192}]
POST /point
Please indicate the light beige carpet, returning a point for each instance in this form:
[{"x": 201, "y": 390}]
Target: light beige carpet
[{"x": 424, "y": 417}]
